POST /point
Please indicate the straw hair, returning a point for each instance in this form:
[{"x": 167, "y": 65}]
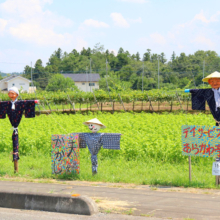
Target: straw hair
[
  {"x": 212, "y": 75},
  {"x": 95, "y": 121}
]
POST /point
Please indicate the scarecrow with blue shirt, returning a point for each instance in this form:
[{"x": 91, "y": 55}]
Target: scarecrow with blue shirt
[
  {"x": 14, "y": 109},
  {"x": 95, "y": 141}
]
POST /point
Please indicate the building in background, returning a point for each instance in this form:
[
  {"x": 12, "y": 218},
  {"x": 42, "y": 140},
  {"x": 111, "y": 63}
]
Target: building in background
[
  {"x": 85, "y": 81},
  {"x": 20, "y": 82}
]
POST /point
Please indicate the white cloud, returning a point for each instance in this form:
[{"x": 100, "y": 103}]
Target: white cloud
[
  {"x": 95, "y": 23},
  {"x": 201, "y": 17},
  {"x": 119, "y": 20},
  {"x": 29, "y": 22},
  {"x": 3, "y": 24},
  {"x": 135, "y": 1},
  {"x": 204, "y": 41},
  {"x": 138, "y": 20},
  {"x": 158, "y": 38}
]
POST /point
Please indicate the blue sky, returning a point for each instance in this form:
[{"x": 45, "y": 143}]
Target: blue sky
[{"x": 34, "y": 29}]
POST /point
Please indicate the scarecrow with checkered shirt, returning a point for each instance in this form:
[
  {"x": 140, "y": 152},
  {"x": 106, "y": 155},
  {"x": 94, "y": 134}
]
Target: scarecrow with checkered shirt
[{"x": 95, "y": 141}]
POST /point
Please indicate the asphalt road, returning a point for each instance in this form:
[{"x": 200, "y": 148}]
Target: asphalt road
[
  {"x": 143, "y": 202},
  {"x": 16, "y": 214}
]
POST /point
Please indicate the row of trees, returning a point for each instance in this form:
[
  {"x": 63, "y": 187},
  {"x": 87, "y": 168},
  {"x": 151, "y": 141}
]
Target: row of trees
[{"x": 126, "y": 70}]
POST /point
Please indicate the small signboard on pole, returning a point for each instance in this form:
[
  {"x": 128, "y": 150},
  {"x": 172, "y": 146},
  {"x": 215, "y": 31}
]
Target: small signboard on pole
[{"x": 216, "y": 168}]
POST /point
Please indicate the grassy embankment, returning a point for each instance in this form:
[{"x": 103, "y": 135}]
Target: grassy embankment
[{"x": 150, "y": 149}]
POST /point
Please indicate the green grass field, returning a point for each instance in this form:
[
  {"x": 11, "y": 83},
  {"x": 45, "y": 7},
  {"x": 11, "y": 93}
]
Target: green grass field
[{"x": 150, "y": 149}]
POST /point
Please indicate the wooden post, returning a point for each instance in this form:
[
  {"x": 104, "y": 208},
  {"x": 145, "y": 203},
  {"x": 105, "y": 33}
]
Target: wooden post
[
  {"x": 190, "y": 178},
  {"x": 122, "y": 102},
  {"x": 217, "y": 178},
  {"x": 187, "y": 103},
  {"x": 101, "y": 106},
  {"x": 15, "y": 166}
]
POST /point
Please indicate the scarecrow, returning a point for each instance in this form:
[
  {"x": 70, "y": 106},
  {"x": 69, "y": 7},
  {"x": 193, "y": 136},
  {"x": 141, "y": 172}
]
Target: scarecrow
[
  {"x": 212, "y": 96},
  {"x": 14, "y": 109},
  {"x": 95, "y": 141}
]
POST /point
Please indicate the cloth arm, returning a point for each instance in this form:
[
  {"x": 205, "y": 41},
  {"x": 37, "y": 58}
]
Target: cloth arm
[
  {"x": 3, "y": 109},
  {"x": 111, "y": 141},
  {"x": 198, "y": 99},
  {"x": 29, "y": 108}
]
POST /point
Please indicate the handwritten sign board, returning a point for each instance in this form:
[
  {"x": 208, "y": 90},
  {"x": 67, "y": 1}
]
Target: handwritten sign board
[
  {"x": 203, "y": 141},
  {"x": 65, "y": 154}
]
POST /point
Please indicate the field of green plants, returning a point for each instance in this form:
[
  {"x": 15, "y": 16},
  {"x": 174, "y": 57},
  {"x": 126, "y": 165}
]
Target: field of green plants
[{"x": 150, "y": 148}]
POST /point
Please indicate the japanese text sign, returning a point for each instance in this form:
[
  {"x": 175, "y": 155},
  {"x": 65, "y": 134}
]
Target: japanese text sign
[
  {"x": 203, "y": 141},
  {"x": 65, "y": 154}
]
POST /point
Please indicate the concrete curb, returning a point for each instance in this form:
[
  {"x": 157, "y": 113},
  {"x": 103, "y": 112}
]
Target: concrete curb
[{"x": 81, "y": 205}]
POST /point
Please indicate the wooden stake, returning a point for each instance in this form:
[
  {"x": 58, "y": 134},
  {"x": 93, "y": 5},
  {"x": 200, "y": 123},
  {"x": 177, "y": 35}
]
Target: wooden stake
[
  {"x": 15, "y": 166},
  {"x": 190, "y": 169}
]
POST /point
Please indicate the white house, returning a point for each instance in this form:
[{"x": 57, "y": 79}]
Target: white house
[
  {"x": 18, "y": 81},
  {"x": 85, "y": 81}
]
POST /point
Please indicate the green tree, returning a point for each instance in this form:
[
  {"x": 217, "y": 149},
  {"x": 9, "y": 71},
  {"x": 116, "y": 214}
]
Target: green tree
[
  {"x": 173, "y": 56},
  {"x": 59, "y": 82},
  {"x": 162, "y": 58},
  {"x": 147, "y": 55},
  {"x": 121, "y": 50},
  {"x": 138, "y": 56},
  {"x": 58, "y": 53}
]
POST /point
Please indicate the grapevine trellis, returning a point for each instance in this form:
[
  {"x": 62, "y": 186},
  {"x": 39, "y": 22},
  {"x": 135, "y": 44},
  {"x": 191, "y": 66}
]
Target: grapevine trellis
[{"x": 99, "y": 99}]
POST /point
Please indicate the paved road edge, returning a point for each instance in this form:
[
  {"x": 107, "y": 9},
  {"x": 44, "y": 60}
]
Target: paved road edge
[{"x": 81, "y": 205}]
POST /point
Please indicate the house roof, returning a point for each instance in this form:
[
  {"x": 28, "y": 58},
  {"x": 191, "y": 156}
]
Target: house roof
[
  {"x": 83, "y": 77},
  {"x": 7, "y": 79}
]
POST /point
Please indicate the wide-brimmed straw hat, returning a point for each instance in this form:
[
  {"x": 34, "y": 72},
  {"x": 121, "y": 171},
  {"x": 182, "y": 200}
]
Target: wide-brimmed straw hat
[
  {"x": 95, "y": 121},
  {"x": 212, "y": 75}
]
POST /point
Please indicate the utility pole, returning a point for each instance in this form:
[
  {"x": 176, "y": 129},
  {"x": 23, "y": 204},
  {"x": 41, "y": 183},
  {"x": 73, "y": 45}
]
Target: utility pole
[
  {"x": 143, "y": 78},
  {"x": 203, "y": 71},
  {"x": 87, "y": 79},
  {"x": 90, "y": 73},
  {"x": 158, "y": 72},
  {"x": 31, "y": 74}
]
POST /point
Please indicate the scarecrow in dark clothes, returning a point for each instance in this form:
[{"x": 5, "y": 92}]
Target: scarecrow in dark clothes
[
  {"x": 95, "y": 141},
  {"x": 14, "y": 109},
  {"x": 212, "y": 96}
]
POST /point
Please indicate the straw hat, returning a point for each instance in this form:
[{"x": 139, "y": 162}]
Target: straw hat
[
  {"x": 94, "y": 121},
  {"x": 212, "y": 75}
]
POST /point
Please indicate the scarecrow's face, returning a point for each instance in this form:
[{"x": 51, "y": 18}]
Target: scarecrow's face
[
  {"x": 214, "y": 83},
  {"x": 94, "y": 127},
  {"x": 12, "y": 95}
]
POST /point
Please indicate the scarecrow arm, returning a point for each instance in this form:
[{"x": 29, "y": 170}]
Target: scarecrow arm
[
  {"x": 29, "y": 106},
  {"x": 198, "y": 98},
  {"x": 3, "y": 109},
  {"x": 111, "y": 141}
]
